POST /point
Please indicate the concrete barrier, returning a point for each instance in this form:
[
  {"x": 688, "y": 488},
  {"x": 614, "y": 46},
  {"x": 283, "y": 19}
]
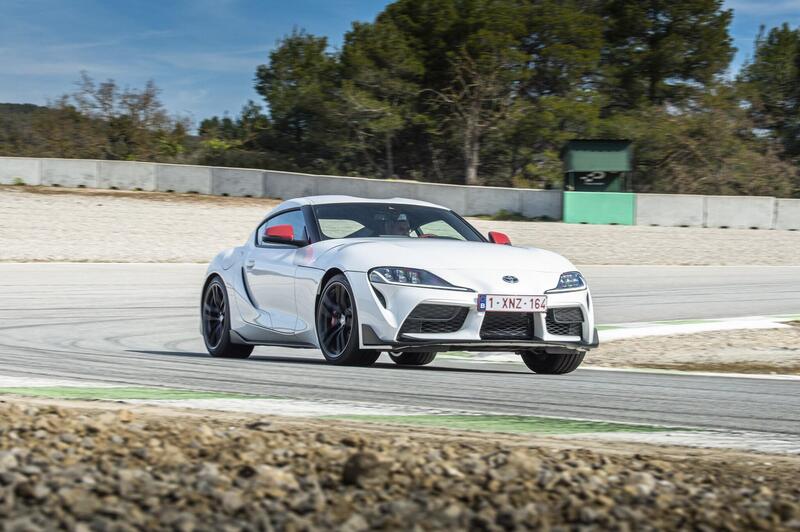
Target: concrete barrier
[
  {"x": 581, "y": 207},
  {"x": 72, "y": 173},
  {"x": 740, "y": 212},
  {"x": 451, "y": 196},
  {"x": 493, "y": 200},
  {"x": 395, "y": 189},
  {"x": 183, "y": 178},
  {"x": 127, "y": 175},
  {"x": 369, "y": 188},
  {"x": 676, "y": 210},
  {"x": 788, "y": 214},
  {"x": 17, "y": 170},
  {"x": 237, "y": 182},
  {"x": 542, "y": 203},
  {"x": 287, "y": 185},
  {"x": 351, "y": 186}
]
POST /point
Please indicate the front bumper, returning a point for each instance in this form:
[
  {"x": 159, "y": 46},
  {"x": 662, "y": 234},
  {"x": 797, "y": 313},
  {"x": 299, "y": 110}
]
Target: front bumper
[
  {"x": 381, "y": 319},
  {"x": 370, "y": 341}
]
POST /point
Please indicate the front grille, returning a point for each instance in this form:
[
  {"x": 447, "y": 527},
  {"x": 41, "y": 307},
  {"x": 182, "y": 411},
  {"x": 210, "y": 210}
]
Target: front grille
[
  {"x": 434, "y": 319},
  {"x": 564, "y": 321},
  {"x": 507, "y": 326}
]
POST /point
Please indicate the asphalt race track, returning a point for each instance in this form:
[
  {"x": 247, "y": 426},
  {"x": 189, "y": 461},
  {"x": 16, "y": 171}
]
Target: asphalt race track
[
  {"x": 649, "y": 293},
  {"x": 138, "y": 324}
]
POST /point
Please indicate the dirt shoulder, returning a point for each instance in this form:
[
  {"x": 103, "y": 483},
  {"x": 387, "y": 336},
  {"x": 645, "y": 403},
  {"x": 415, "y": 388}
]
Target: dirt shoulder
[
  {"x": 95, "y": 468},
  {"x": 56, "y": 224},
  {"x": 737, "y": 351},
  {"x": 47, "y": 224}
]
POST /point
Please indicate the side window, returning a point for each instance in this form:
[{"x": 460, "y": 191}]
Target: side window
[{"x": 293, "y": 218}]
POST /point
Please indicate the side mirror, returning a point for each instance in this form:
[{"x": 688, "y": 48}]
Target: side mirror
[
  {"x": 280, "y": 232},
  {"x": 496, "y": 237}
]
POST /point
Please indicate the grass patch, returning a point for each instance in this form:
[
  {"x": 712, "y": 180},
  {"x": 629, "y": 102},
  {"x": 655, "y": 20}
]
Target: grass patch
[
  {"x": 507, "y": 423},
  {"x": 117, "y": 394}
]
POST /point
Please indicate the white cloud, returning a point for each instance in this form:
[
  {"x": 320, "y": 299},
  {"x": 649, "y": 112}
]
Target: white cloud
[{"x": 230, "y": 61}]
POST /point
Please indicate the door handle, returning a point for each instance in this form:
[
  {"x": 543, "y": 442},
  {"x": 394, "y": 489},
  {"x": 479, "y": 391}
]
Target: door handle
[{"x": 250, "y": 263}]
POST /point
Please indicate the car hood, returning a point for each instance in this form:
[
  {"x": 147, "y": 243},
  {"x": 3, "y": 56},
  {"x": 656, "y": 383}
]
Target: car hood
[{"x": 435, "y": 255}]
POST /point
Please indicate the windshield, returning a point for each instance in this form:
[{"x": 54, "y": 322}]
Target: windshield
[{"x": 385, "y": 220}]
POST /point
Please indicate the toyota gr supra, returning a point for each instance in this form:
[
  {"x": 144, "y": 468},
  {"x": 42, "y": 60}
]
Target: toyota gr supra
[{"x": 356, "y": 277}]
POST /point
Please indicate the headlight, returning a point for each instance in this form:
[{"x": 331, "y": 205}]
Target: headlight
[
  {"x": 409, "y": 277},
  {"x": 569, "y": 282}
]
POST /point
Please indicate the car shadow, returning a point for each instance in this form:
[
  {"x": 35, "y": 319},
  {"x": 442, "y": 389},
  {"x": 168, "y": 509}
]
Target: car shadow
[{"x": 321, "y": 362}]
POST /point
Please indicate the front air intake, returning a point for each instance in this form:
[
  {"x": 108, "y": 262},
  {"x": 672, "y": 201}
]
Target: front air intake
[
  {"x": 507, "y": 326},
  {"x": 434, "y": 319}
]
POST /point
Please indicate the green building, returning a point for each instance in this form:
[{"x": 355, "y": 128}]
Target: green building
[
  {"x": 597, "y": 165},
  {"x": 597, "y": 182}
]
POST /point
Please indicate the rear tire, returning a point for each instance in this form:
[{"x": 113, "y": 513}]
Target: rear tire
[
  {"x": 412, "y": 359},
  {"x": 215, "y": 314},
  {"x": 552, "y": 364},
  {"x": 337, "y": 326}
]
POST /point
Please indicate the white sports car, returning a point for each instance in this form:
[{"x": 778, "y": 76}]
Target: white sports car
[{"x": 356, "y": 277}]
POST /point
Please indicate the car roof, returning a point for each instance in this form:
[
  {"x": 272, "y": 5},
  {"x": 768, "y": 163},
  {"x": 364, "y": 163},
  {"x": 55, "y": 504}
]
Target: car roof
[{"x": 331, "y": 199}]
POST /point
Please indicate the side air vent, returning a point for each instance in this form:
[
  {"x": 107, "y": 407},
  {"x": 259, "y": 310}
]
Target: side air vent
[{"x": 564, "y": 321}]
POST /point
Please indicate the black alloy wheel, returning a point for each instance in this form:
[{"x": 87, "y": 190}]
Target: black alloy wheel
[
  {"x": 215, "y": 317},
  {"x": 335, "y": 319},
  {"x": 337, "y": 326}
]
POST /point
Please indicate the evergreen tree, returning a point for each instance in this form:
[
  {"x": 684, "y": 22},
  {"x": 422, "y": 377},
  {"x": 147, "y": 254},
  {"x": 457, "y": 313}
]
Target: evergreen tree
[
  {"x": 381, "y": 75},
  {"x": 771, "y": 84},
  {"x": 662, "y": 50},
  {"x": 301, "y": 85}
]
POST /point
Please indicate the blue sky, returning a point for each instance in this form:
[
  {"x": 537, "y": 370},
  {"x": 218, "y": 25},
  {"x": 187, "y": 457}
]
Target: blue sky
[{"x": 203, "y": 53}]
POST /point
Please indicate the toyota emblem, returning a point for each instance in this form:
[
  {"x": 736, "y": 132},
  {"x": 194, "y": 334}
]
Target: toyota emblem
[{"x": 510, "y": 279}]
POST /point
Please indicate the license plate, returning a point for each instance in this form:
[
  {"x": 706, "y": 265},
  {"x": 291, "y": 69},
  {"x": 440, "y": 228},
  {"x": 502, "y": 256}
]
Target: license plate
[{"x": 495, "y": 303}]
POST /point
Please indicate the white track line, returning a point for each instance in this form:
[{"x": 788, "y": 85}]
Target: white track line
[{"x": 624, "y": 331}]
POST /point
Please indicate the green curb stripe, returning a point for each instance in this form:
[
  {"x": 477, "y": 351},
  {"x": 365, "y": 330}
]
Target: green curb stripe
[
  {"x": 505, "y": 423},
  {"x": 76, "y": 392}
]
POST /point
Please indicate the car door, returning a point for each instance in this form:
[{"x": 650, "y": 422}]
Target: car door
[{"x": 270, "y": 270}]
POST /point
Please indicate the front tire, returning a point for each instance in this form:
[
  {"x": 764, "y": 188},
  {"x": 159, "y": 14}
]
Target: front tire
[
  {"x": 412, "y": 359},
  {"x": 337, "y": 326},
  {"x": 215, "y": 315},
  {"x": 553, "y": 364}
]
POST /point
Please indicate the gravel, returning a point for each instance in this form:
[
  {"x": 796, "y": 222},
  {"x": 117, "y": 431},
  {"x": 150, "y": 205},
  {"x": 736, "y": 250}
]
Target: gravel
[
  {"x": 145, "y": 471},
  {"x": 54, "y": 224},
  {"x": 739, "y": 351}
]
